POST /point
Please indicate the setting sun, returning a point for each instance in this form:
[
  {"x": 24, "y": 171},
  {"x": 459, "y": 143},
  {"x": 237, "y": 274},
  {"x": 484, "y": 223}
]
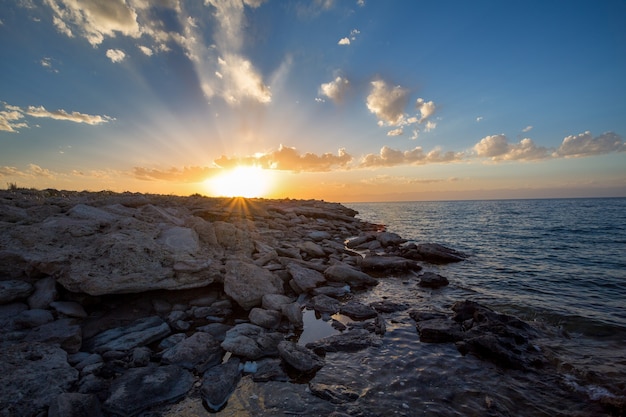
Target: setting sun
[{"x": 242, "y": 181}]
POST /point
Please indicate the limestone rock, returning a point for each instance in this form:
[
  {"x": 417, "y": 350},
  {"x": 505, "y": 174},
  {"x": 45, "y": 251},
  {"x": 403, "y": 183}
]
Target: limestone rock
[
  {"x": 247, "y": 283},
  {"x": 12, "y": 290},
  {"x": 432, "y": 280},
  {"x": 357, "y": 311},
  {"x": 350, "y": 341},
  {"x": 324, "y": 304},
  {"x": 251, "y": 341},
  {"x": 69, "y": 309},
  {"x": 299, "y": 357},
  {"x": 64, "y": 333},
  {"x": 45, "y": 293},
  {"x": 218, "y": 383},
  {"x": 269, "y": 319},
  {"x": 275, "y": 301},
  {"x": 33, "y": 318},
  {"x": 306, "y": 279},
  {"x": 139, "y": 333},
  {"x": 388, "y": 263},
  {"x": 199, "y": 351},
  {"x": 346, "y": 274},
  {"x": 141, "y": 388},
  {"x": 312, "y": 249},
  {"x": 74, "y": 404}
]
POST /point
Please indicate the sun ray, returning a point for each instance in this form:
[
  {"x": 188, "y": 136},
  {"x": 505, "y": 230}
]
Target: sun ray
[{"x": 241, "y": 181}]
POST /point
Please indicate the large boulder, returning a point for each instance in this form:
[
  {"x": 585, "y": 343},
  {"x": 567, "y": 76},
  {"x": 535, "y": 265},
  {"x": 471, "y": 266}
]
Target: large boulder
[
  {"x": 305, "y": 278},
  {"x": 247, "y": 283}
]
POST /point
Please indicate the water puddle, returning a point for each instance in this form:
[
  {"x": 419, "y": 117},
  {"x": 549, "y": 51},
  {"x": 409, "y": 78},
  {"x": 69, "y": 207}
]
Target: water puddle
[{"x": 316, "y": 328}]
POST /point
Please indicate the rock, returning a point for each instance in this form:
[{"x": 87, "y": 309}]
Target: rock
[
  {"x": 218, "y": 383},
  {"x": 64, "y": 333},
  {"x": 293, "y": 313},
  {"x": 319, "y": 235},
  {"x": 269, "y": 319},
  {"x": 217, "y": 330},
  {"x": 299, "y": 357},
  {"x": 33, "y": 376},
  {"x": 45, "y": 293},
  {"x": 387, "y": 306},
  {"x": 357, "y": 311},
  {"x": 69, "y": 309},
  {"x": 199, "y": 352},
  {"x": 388, "y": 263},
  {"x": 336, "y": 394},
  {"x": 312, "y": 249},
  {"x": 141, "y": 388},
  {"x": 88, "y": 360},
  {"x": 324, "y": 304},
  {"x": 269, "y": 369},
  {"x": 358, "y": 241},
  {"x": 275, "y": 301},
  {"x": 289, "y": 252},
  {"x": 12, "y": 290},
  {"x": 389, "y": 239},
  {"x": 33, "y": 318},
  {"x": 346, "y": 274},
  {"x": 247, "y": 283},
  {"x": 332, "y": 291},
  {"x": 439, "y": 331},
  {"x": 432, "y": 280},
  {"x": 420, "y": 315},
  {"x": 73, "y": 404},
  {"x": 171, "y": 341},
  {"x": 235, "y": 239},
  {"x": 139, "y": 333},
  {"x": 350, "y": 341},
  {"x": 306, "y": 279},
  {"x": 251, "y": 341},
  {"x": 433, "y": 253},
  {"x": 141, "y": 356}
]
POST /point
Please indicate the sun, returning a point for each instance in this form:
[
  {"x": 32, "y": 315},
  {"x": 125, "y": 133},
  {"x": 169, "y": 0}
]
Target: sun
[{"x": 241, "y": 181}]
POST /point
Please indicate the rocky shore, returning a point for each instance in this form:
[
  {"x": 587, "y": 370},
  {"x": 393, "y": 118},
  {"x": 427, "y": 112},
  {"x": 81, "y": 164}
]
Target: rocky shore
[{"x": 130, "y": 304}]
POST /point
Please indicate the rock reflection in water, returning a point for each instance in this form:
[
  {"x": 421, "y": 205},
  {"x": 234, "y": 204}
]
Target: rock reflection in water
[{"x": 316, "y": 327}]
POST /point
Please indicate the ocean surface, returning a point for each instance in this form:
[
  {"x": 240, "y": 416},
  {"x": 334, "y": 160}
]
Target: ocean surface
[{"x": 557, "y": 263}]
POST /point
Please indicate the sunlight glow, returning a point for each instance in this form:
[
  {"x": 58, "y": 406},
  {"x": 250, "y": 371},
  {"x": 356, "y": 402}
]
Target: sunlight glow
[{"x": 242, "y": 181}]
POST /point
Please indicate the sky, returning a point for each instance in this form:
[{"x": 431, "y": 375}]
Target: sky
[{"x": 340, "y": 100}]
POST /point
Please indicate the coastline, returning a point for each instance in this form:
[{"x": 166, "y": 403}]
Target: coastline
[{"x": 208, "y": 294}]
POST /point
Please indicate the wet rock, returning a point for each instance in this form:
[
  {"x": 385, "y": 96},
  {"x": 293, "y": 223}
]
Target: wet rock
[
  {"x": 269, "y": 319},
  {"x": 389, "y": 239},
  {"x": 275, "y": 301},
  {"x": 39, "y": 373},
  {"x": 350, "y": 341},
  {"x": 198, "y": 352},
  {"x": 64, "y": 333},
  {"x": 346, "y": 274},
  {"x": 269, "y": 369},
  {"x": 439, "y": 331},
  {"x": 73, "y": 404},
  {"x": 247, "y": 283},
  {"x": 332, "y": 291},
  {"x": 305, "y": 278},
  {"x": 432, "y": 253},
  {"x": 432, "y": 280},
  {"x": 360, "y": 240},
  {"x": 218, "y": 383},
  {"x": 299, "y": 357},
  {"x": 336, "y": 394},
  {"x": 357, "y": 311},
  {"x": 293, "y": 313},
  {"x": 69, "y": 309},
  {"x": 33, "y": 318},
  {"x": 324, "y": 304},
  {"x": 388, "y": 306},
  {"x": 139, "y": 333},
  {"x": 251, "y": 341},
  {"x": 141, "y": 388},
  {"x": 388, "y": 263},
  {"x": 45, "y": 293},
  {"x": 419, "y": 315},
  {"x": 12, "y": 290}
]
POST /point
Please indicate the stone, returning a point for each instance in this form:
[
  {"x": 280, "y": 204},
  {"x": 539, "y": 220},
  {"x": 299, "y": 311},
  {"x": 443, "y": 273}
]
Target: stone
[
  {"x": 64, "y": 333},
  {"x": 349, "y": 341},
  {"x": 306, "y": 279},
  {"x": 69, "y": 309},
  {"x": 12, "y": 290},
  {"x": 37, "y": 374},
  {"x": 299, "y": 357},
  {"x": 324, "y": 304},
  {"x": 275, "y": 301},
  {"x": 439, "y": 331},
  {"x": 388, "y": 306},
  {"x": 332, "y": 291},
  {"x": 218, "y": 383},
  {"x": 319, "y": 235},
  {"x": 251, "y": 341},
  {"x": 388, "y": 263},
  {"x": 139, "y": 333},
  {"x": 198, "y": 352},
  {"x": 312, "y": 249},
  {"x": 141, "y": 356},
  {"x": 217, "y": 330},
  {"x": 74, "y": 404},
  {"x": 389, "y": 239},
  {"x": 358, "y": 241},
  {"x": 33, "y": 318},
  {"x": 432, "y": 280},
  {"x": 432, "y": 252},
  {"x": 357, "y": 311},
  {"x": 269, "y": 319},
  {"x": 336, "y": 394},
  {"x": 346, "y": 274},
  {"x": 293, "y": 313},
  {"x": 141, "y": 388},
  {"x": 45, "y": 293},
  {"x": 247, "y": 283}
]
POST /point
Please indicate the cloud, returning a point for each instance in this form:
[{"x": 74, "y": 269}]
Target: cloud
[
  {"x": 335, "y": 90},
  {"x": 241, "y": 81},
  {"x": 11, "y": 119},
  {"x": 146, "y": 51},
  {"x": 185, "y": 175},
  {"x": 32, "y": 171},
  {"x": 115, "y": 55},
  {"x": 348, "y": 39},
  {"x": 498, "y": 148},
  {"x": 344, "y": 41},
  {"x": 387, "y": 103},
  {"x": 426, "y": 109},
  {"x": 391, "y": 157},
  {"x": 396, "y": 132},
  {"x": 94, "y": 19},
  {"x": 479, "y": 119},
  {"x": 527, "y": 129},
  {"x": 584, "y": 144},
  {"x": 289, "y": 159},
  {"x": 360, "y": 3}
]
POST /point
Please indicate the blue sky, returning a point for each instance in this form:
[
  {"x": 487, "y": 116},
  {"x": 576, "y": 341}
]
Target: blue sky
[{"x": 342, "y": 100}]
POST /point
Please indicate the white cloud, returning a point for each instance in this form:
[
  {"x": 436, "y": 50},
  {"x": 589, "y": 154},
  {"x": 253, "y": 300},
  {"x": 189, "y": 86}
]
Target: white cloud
[
  {"x": 426, "y": 109},
  {"x": 10, "y": 120},
  {"x": 146, "y": 51},
  {"x": 491, "y": 146},
  {"x": 430, "y": 125},
  {"x": 584, "y": 144},
  {"x": 241, "y": 81},
  {"x": 344, "y": 41},
  {"x": 527, "y": 129},
  {"x": 360, "y": 3},
  {"x": 387, "y": 103},
  {"x": 115, "y": 55},
  {"x": 396, "y": 132},
  {"x": 392, "y": 157},
  {"x": 479, "y": 119},
  {"x": 13, "y": 117},
  {"x": 94, "y": 19},
  {"x": 498, "y": 148},
  {"x": 336, "y": 89}
]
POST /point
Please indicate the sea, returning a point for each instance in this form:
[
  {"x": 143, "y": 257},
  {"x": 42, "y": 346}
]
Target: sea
[{"x": 559, "y": 264}]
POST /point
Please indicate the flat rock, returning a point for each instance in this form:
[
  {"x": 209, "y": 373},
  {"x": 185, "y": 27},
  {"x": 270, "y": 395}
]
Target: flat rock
[
  {"x": 218, "y": 383},
  {"x": 65, "y": 333},
  {"x": 247, "y": 283},
  {"x": 388, "y": 263},
  {"x": 350, "y": 341},
  {"x": 12, "y": 290},
  {"x": 300, "y": 357},
  {"x": 275, "y": 301},
  {"x": 269, "y": 319},
  {"x": 389, "y": 239},
  {"x": 251, "y": 341},
  {"x": 33, "y": 375},
  {"x": 141, "y": 388},
  {"x": 199, "y": 352},
  {"x": 312, "y": 249},
  {"x": 357, "y": 311},
  {"x": 33, "y": 318},
  {"x": 324, "y": 304},
  {"x": 139, "y": 333},
  {"x": 69, "y": 309},
  {"x": 439, "y": 331},
  {"x": 305, "y": 278},
  {"x": 346, "y": 274},
  {"x": 74, "y": 404},
  {"x": 432, "y": 253},
  {"x": 336, "y": 394}
]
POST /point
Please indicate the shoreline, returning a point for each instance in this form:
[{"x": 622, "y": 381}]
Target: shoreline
[{"x": 218, "y": 288}]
